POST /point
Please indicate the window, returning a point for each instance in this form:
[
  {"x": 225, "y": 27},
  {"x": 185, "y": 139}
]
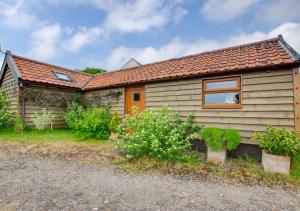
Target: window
[
  {"x": 62, "y": 76},
  {"x": 136, "y": 97},
  {"x": 221, "y": 93}
]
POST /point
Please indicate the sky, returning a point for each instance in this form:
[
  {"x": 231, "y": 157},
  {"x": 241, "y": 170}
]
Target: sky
[{"x": 107, "y": 33}]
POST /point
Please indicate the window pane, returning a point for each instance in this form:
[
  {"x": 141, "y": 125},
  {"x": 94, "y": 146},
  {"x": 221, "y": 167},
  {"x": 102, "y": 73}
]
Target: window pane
[
  {"x": 62, "y": 76},
  {"x": 136, "y": 96},
  {"x": 222, "y": 84},
  {"x": 223, "y": 98}
]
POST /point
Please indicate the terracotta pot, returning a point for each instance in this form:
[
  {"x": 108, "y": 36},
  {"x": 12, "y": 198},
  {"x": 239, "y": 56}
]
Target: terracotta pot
[
  {"x": 217, "y": 157},
  {"x": 275, "y": 163}
]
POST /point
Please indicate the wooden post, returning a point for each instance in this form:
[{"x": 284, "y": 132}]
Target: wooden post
[{"x": 296, "y": 80}]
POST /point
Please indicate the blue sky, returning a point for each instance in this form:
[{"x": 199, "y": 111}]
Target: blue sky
[{"x": 107, "y": 33}]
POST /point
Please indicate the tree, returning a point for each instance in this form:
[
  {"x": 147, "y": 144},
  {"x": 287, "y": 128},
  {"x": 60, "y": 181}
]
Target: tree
[{"x": 93, "y": 70}]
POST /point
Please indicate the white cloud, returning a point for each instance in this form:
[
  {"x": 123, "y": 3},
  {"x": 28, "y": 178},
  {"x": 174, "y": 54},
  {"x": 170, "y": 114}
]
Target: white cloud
[
  {"x": 17, "y": 14},
  {"x": 82, "y": 38},
  {"x": 179, "y": 14},
  {"x": 178, "y": 47},
  {"x": 221, "y": 10},
  {"x": 281, "y": 10},
  {"x": 45, "y": 42}
]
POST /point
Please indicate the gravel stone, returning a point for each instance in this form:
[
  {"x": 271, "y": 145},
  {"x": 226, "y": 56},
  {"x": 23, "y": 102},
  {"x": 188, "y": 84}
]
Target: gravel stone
[{"x": 29, "y": 183}]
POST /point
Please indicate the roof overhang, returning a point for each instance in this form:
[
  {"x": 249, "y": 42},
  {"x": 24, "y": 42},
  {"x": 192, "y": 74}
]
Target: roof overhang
[{"x": 9, "y": 61}]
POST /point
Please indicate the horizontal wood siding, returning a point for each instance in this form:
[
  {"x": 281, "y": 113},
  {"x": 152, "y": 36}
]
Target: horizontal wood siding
[
  {"x": 117, "y": 102},
  {"x": 9, "y": 85},
  {"x": 268, "y": 98},
  {"x": 58, "y": 111}
]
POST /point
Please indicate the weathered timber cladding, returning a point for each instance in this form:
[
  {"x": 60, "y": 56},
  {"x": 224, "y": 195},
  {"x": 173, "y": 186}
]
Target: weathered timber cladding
[
  {"x": 48, "y": 102},
  {"x": 9, "y": 85},
  {"x": 267, "y": 98},
  {"x": 117, "y": 103}
]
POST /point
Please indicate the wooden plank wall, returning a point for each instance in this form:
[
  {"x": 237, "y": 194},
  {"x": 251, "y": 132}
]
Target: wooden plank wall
[
  {"x": 117, "y": 103},
  {"x": 58, "y": 111},
  {"x": 9, "y": 85},
  {"x": 267, "y": 99}
]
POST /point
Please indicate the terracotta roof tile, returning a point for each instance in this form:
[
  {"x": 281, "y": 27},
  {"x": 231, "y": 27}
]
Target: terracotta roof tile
[
  {"x": 253, "y": 56},
  {"x": 36, "y": 71},
  {"x": 263, "y": 54}
]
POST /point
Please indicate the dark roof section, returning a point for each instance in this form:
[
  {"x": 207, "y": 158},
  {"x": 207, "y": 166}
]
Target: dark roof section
[
  {"x": 267, "y": 54},
  {"x": 272, "y": 53}
]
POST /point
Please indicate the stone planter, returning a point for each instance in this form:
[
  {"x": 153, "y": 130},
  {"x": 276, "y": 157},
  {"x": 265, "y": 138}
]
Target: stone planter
[
  {"x": 217, "y": 157},
  {"x": 276, "y": 163}
]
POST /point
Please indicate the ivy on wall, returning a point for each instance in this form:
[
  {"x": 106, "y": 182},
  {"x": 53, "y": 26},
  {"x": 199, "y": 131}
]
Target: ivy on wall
[
  {"x": 102, "y": 99},
  {"x": 48, "y": 97}
]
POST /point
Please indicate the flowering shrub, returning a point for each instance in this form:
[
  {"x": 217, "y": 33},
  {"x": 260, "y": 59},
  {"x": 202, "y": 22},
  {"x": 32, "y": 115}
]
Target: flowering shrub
[
  {"x": 41, "y": 120},
  {"x": 6, "y": 117},
  {"x": 94, "y": 124},
  {"x": 157, "y": 133},
  {"x": 278, "y": 141},
  {"x": 114, "y": 122},
  {"x": 74, "y": 113}
]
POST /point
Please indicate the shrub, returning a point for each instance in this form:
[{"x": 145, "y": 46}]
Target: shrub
[
  {"x": 6, "y": 117},
  {"x": 42, "y": 120},
  {"x": 156, "y": 133},
  {"x": 114, "y": 122},
  {"x": 278, "y": 141},
  {"x": 232, "y": 138},
  {"x": 94, "y": 124},
  {"x": 213, "y": 138},
  {"x": 75, "y": 112},
  {"x": 218, "y": 139}
]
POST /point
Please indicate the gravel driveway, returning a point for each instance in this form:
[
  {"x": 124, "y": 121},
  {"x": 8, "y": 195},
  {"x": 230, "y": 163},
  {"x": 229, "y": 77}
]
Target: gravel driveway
[{"x": 28, "y": 183}]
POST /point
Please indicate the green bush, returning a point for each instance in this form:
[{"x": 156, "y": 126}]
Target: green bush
[
  {"x": 232, "y": 138},
  {"x": 156, "y": 133},
  {"x": 114, "y": 122},
  {"x": 6, "y": 117},
  {"x": 75, "y": 112},
  {"x": 42, "y": 120},
  {"x": 218, "y": 138},
  {"x": 278, "y": 141},
  {"x": 94, "y": 124},
  {"x": 19, "y": 125}
]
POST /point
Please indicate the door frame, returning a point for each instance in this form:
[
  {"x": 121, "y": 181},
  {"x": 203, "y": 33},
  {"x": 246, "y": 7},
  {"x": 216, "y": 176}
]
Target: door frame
[{"x": 126, "y": 101}]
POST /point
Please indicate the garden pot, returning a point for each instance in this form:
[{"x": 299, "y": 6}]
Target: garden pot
[
  {"x": 275, "y": 163},
  {"x": 217, "y": 157}
]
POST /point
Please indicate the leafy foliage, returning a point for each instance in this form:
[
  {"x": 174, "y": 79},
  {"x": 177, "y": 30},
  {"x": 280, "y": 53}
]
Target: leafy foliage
[
  {"x": 114, "y": 122},
  {"x": 278, "y": 141},
  {"x": 232, "y": 138},
  {"x": 19, "y": 124},
  {"x": 218, "y": 138},
  {"x": 74, "y": 113},
  {"x": 156, "y": 133},
  {"x": 93, "y": 71},
  {"x": 6, "y": 117},
  {"x": 94, "y": 124},
  {"x": 42, "y": 120}
]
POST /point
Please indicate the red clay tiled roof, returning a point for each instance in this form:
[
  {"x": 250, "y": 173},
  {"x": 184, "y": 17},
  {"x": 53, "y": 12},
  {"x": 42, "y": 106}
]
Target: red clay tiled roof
[
  {"x": 260, "y": 55},
  {"x": 35, "y": 71},
  {"x": 263, "y": 54}
]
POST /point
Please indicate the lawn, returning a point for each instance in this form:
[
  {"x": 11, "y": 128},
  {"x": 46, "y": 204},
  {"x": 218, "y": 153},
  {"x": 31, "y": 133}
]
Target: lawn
[
  {"x": 64, "y": 144},
  {"x": 34, "y": 136}
]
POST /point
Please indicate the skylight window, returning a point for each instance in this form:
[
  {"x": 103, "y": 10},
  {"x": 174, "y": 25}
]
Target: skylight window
[{"x": 62, "y": 76}]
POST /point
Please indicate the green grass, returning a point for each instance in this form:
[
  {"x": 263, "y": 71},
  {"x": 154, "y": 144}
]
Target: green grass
[
  {"x": 34, "y": 136},
  {"x": 295, "y": 170}
]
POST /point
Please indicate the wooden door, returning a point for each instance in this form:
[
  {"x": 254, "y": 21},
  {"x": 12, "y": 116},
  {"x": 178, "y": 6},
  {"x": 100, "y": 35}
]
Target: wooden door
[{"x": 135, "y": 97}]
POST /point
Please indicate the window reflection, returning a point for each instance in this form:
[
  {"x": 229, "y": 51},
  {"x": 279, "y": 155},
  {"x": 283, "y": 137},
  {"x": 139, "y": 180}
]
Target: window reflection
[
  {"x": 223, "y": 98},
  {"x": 222, "y": 84}
]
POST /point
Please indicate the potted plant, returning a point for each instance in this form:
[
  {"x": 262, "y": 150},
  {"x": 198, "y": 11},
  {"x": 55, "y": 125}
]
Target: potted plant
[
  {"x": 278, "y": 145},
  {"x": 218, "y": 141},
  {"x": 114, "y": 122}
]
